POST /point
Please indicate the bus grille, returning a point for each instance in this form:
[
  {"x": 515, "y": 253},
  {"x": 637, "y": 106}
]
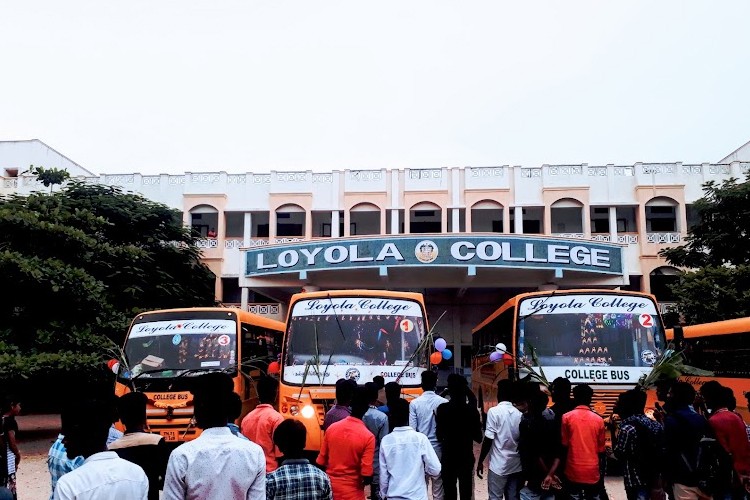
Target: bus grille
[
  {"x": 322, "y": 406},
  {"x": 604, "y": 402}
]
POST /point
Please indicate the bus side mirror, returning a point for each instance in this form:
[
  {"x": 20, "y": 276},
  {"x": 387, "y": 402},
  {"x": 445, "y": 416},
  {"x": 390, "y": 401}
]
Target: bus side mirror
[{"x": 679, "y": 335}]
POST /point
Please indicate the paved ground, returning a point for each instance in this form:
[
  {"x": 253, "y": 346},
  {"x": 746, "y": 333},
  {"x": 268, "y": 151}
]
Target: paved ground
[{"x": 38, "y": 432}]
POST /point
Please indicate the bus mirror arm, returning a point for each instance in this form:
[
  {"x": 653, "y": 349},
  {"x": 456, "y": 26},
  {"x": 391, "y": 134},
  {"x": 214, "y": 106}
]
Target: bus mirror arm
[{"x": 679, "y": 334}]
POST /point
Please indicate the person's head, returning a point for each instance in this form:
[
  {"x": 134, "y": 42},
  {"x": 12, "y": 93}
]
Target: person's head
[
  {"x": 521, "y": 394},
  {"x": 372, "y": 392},
  {"x": 504, "y": 390},
  {"x": 560, "y": 389},
  {"x": 392, "y": 392},
  {"x": 379, "y": 381},
  {"x": 290, "y": 436},
  {"x": 268, "y": 387},
  {"x": 234, "y": 407},
  {"x": 538, "y": 402},
  {"x": 583, "y": 394},
  {"x": 728, "y": 400},
  {"x": 212, "y": 398},
  {"x": 712, "y": 394},
  {"x": 682, "y": 394},
  {"x": 10, "y": 405},
  {"x": 360, "y": 402},
  {"x": 399, "y": 413},
  {"x": 457, "y": 387},
  {"x": 87, "y": 427},
  {"x": 429, "y": 380},
  {"x": 630, "y": 403},
  {"x": 344, "y": 392},
  {"x": 132, "y": 410},
  {"x": 662, "y": 388}
]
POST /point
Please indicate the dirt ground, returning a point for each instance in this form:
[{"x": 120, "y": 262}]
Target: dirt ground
[{"x": 38, "y": 432}]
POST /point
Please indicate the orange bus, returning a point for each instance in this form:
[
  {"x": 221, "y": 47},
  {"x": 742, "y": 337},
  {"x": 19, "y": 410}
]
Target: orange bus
[
  {"x": 165, "y": 350},
  {"x": 608, "y": 339},
  {"x": 353, "y": 334},
  {"x": 721, "y": 347}
]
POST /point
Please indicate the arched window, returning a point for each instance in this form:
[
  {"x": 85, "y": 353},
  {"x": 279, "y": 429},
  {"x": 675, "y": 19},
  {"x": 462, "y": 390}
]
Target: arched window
[
  {"x": 290, "y": 220},
  {"x": 425, "y": 217},
  {"x": 566, "y": 216},
  {"x": 204, "y": 220},
  {"x": 661, "y": 215},
  {"x": 364, "y": 218},
  {"x": 487, "y": 217}
]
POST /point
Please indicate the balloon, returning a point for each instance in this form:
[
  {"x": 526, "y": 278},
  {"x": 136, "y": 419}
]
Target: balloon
[
  {"x": 111, "y": 363},
  {"x": 496, "y": 356},
  {"x": 501, "y": 347},
  {"x": 436, "y": 357},
  {"x": 273, "y": 367},
  {"x": 507, "y": 359},
  {"x": 440, "y": 345},
  {"x": 447, "y": 354},
  {"x": 115, "y": 367}
]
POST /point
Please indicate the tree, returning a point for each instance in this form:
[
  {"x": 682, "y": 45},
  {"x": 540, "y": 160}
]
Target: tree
[
  {"x": 78, "y": 264},
  {"x": 717, "y": 252},
  {"x": 49, "y": 176}
]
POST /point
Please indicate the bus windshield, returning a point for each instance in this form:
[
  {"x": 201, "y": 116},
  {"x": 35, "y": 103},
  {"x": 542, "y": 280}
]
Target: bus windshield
[
  {"x": 604, "y": 338},
  {"x": 353, "y": 337},
  {"x": 168, "y": 347}
]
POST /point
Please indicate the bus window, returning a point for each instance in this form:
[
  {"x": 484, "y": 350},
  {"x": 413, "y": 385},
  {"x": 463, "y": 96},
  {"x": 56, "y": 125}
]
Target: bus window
[{"x": 259, "y": 342}]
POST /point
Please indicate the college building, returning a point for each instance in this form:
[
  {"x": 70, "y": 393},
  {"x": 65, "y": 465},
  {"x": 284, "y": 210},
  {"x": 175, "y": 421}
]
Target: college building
[{"x": 466, "y": 237}]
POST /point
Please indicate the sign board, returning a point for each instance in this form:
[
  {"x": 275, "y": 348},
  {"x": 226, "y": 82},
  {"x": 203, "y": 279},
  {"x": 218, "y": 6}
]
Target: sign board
[{"x": 519, "y": 251}]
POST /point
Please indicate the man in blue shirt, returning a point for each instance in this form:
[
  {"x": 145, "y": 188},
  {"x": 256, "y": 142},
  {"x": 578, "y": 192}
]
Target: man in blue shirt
[{"x": 58, "y": 461}]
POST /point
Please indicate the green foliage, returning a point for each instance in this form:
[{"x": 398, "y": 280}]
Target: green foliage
[
  {"x": 717, "y": 250},
  {"x": 50, "y": 176},
  {"x": 77, "y": 265},
  {"x": 670, "y": 366}
]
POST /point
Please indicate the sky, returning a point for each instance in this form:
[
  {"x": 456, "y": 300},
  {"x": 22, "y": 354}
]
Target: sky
[{"x": 165, "y": 86}]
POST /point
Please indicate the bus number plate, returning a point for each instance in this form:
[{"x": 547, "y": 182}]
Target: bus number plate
[{"x": 169, "y": 435}]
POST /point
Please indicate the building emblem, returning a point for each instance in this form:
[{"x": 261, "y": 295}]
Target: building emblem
[
  {"x": 426, "y": 251},
  {"x": 352, "y": 374}
]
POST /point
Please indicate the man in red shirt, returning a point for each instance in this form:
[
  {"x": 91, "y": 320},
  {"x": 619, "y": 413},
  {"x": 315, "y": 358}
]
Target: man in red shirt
[
  {"x": 258, "y": 425},
  {"x": 583, "y": 436},
  {"x": 347, "y": 452}
]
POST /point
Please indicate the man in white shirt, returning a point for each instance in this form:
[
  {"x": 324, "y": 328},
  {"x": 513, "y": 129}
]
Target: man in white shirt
[
  {"x": 406, "y": 459},
  {"x": 501, "y": 443},
  {"x": 103, "y": 474},
  {"x": 216, "y": 464},
  {"x": 422, "y": 419}
]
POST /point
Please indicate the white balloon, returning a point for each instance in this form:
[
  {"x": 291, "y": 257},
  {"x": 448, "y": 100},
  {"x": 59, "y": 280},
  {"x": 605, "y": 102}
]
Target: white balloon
[{"x": 501, "y": 347}]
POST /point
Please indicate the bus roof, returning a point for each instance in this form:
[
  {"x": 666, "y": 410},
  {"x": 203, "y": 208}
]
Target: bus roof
[
  {"x": 726, "y": 327},
  {"x": 357, "y": 293},
  {"x": 245, "y": 316},
  {"x": 514, "y": 300}
]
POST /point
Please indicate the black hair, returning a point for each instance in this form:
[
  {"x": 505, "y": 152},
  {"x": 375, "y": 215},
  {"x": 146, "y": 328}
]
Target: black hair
[
  {"x": 379, "y": 381},
  {"x": 360, "y": 402},
  {"x": 683, "y": 394},
  {"x": 234, "y": 407},
  {"x": 132, "y": 409},
  {"x": 372, "y": 391},
  {"x": 727, "y": 398},
  {"x": 504, "y": 390},
  {"x": 399, "y": 413},
  {"x": 290, "y": 436},
  {"x": 560, "y": 389},
  {"x": 712, "y": 392},
  {"x": 267, "y": 388},
  {"x": 392, "y": 392},
  {"x": 538, "y": 401},
  {"x": 212, "y": 398},
  {"x": 7, "y": 402},
  {"x": 429, "y": 380},
  {"x": 344, "y": 391},
  {"x": 631, "y": 403},
  {"x": 457, "y": 387},
  {"x": 87, "y": 426},
  {"x": 583, "y": 394}
]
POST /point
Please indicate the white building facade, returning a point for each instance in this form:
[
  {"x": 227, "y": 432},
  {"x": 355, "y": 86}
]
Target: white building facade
[{"x": 629, "y": 212}]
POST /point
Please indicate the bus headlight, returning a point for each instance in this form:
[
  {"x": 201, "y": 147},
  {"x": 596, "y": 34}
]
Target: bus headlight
[
  {"x": 308, "y": 411},
  {"x": 294, "y": 410}
]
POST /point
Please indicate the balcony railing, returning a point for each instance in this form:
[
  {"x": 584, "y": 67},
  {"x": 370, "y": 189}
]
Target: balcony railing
[
  {"x": 662, "y": 238},
  {"x": 624, "y": 238},
  {"x": 207, "y": 243},
  {"x": 570, "y": 235}
]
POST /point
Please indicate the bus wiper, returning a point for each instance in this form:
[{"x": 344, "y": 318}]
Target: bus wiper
[
  {"x": 147, "y": 372},
  {"x": 335, "y": 315},
  {"x": 201, "y": 369}
]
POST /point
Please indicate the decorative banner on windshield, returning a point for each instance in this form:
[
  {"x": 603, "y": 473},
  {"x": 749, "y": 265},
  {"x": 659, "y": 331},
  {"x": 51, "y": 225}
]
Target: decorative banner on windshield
[
  {"x": 482, "y": 251},
  {"x": 351, "y": 305},
  {"x": 596, "y": 374},
  {"x": 183, "y": 327},
  {"x": 591, "y": 304}
]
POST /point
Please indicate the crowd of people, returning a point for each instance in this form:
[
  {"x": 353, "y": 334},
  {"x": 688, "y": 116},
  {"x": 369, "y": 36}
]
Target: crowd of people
[{"x": 379, "y": 445}]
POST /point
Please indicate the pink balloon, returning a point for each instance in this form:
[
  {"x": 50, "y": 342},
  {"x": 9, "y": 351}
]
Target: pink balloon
[{"x": 496, "y": 356}]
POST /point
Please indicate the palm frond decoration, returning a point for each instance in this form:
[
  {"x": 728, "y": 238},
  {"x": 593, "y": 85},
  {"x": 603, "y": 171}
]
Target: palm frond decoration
[
  {"x": 669, "y": 366},
  {"x": 423, "y": 348},
  {"x": 541, "y": 377}
]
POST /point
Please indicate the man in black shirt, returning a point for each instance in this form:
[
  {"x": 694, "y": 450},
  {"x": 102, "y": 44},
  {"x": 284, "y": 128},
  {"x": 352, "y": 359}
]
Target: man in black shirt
[
  {"x": 140, "y": 447},
  {"x": 458, "y": 426},
  {"x": 540, "y": 448}
]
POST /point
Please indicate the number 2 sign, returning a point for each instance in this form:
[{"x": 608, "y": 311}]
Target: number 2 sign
[{"x": 646, "y": 320}]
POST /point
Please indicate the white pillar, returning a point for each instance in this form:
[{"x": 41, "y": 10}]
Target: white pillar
[
  {"x": 335, "y": 224},
  {"x": 518, "y": 218},
  {"x": 245, "y": 294},
  {"x": 613, "y": 224},
  {"x": 394, "y": 221},
  {"x": 456, "y": 220},
  {"x": 247, "y": 229}
]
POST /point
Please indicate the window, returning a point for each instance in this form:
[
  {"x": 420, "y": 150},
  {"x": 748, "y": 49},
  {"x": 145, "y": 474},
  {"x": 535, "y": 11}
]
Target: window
[{"x": 424, "y": 213}]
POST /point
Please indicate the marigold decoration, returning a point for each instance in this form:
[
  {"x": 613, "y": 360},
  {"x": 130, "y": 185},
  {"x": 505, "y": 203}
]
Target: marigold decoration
[{"x": 436, "y": 357}]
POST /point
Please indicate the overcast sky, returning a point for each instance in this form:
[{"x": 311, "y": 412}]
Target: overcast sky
[{"x": 172, "y": 86}]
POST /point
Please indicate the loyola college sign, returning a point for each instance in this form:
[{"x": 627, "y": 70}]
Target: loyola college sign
[{"x": 453, "y": 251}]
